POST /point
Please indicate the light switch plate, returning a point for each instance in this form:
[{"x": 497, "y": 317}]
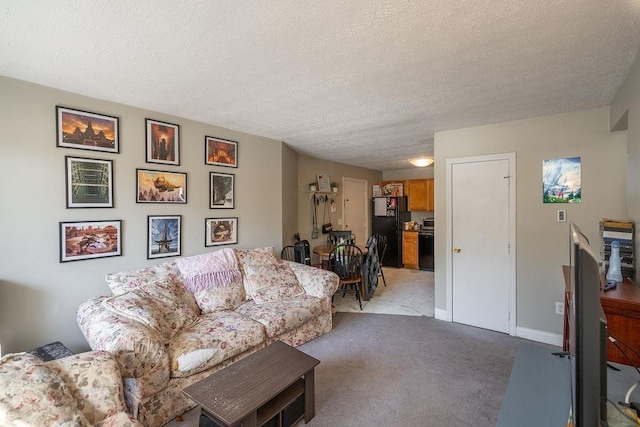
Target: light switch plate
[{"x": 561, "y": 215}]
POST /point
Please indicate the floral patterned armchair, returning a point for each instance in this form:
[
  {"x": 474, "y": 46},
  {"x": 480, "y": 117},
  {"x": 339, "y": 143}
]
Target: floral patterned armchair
[{"x": 80, "y": 390}]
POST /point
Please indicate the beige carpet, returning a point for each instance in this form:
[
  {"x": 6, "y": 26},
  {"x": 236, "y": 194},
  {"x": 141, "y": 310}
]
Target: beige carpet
[{"x": 408, "y": 292}]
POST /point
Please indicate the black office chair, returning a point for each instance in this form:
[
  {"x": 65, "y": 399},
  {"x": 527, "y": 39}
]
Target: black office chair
[
  {"x": 288, "y": 253},
  {"x": 382, "y": 248},
  {"x": 346, "y": 261}
]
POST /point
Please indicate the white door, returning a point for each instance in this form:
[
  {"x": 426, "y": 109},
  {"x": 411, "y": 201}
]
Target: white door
[
  {"x": 482, "y": 249},
  {"x": 355, "y": 208}
]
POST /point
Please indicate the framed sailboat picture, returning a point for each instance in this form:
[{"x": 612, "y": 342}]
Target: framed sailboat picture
[{"x": 163, "y": 236}]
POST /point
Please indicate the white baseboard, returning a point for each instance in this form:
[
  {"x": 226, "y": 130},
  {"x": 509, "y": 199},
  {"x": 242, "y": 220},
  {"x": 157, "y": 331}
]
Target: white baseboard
[
  {"x": 440, "y": 314},
  {"x": 526, "y": 333},
  {"x": 539, "y": 336}
]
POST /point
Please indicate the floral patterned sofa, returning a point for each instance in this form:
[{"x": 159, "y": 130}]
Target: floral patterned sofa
[
  {"x": 79, "y": 390},
  {"x": 175, "y": 323}
]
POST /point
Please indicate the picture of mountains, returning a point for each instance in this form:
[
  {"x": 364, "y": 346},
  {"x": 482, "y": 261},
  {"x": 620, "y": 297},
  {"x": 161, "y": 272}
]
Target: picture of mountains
[{"x": 561, "y": 180}]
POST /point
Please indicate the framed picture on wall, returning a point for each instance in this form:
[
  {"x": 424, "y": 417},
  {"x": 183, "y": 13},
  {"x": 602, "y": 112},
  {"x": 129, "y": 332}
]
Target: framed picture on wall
[
  {"x": 163, "y": 142},
  {"x": 160, "y": 186},
  {"x": 220, "y": 152},
  {"x": 81, "y": 240},
  {"x": 163, "y": 236},
  {"x": 221, "y": 190},
  {"x": 220, "y": 231},
  {"x": 89, "y": 182},
  {"x": 86, "y": 131}
]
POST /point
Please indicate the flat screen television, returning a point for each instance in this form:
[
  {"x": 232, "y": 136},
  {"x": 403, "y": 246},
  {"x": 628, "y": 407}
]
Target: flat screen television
[{"x": 587, "y": 336}]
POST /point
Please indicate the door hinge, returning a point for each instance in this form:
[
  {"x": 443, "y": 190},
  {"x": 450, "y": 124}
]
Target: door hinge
[{"x": 508, "y": 248}]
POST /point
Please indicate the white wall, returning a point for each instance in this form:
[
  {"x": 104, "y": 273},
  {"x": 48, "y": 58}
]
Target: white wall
[
  {"x": 39, "y": 295},
  {"x": 542, "y": 243},
  {"x": 627, "y": 101}
]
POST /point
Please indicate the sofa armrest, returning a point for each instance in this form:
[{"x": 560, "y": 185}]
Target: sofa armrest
[
  {"x": 93, "y": 379},
  {"x": 138, "y": 350},
  {"x": 315, "y": 281}
]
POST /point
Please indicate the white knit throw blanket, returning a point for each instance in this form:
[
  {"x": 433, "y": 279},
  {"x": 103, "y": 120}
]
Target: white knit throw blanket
[{"x": 211, "y": 270}]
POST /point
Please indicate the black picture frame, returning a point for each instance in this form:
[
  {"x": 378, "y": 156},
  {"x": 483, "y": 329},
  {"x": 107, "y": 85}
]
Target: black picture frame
[
  {"x": 81, "y": 240},
  {"x": 221, "y": 190},
  {"x": 164, "y": 236},
  {"x": 85, "y": 130},
  {"x": 163, "y": 142},
  {"x": 220, "y": 152},
  {"x": 155, "y": 186},
  {"x": 220, "y": 231},
  {"x": 89, "y": 182}
]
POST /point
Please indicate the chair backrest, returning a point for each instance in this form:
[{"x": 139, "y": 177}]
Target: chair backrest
[
  {"x": 335, "y": 237},
  {"x": 302, "y": 252},
  {"x": 382, "y": 245},
  {"x": 288, "y": 253},
  {"x": 346, "y": 261}
]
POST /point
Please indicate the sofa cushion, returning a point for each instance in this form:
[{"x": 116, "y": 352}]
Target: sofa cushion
[
  {"x": 227, "y": 297},
  {"x": 215, "y": 338},
  {"x": 285, "y": 315},
  {"x": 159, "y": 307},
  {"x": 33, "y": 394},
  {"x": 126, "y": 281},
  {"x": 266, "y": 278}
]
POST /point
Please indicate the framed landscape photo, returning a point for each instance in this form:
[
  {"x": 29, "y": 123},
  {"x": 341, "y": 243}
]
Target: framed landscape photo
[
  {"x": 220, "y": 231},
  {"x": 160, "y": 186},
  {"x": 221, "y": 190},
  {"x": 90, "y": 239},
  {"x": 163, "y": 236},
  {"x": 220, "y": 152},
  {"x": 89, "y": 182},
  {"x": 86, "y": 131},
  {"x": 163, "y": 142}
]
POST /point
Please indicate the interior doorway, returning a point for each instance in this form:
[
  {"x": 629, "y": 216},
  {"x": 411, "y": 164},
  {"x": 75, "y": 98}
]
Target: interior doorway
[
  {"x": 355, "y": 208},
  {"x": 481, "y": 281}
]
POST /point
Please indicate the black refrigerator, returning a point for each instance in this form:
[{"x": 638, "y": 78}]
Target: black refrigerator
[{"x": 389, "y": 214}]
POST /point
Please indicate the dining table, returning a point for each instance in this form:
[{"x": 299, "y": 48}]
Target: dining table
[{"x": 323, "y": 251}]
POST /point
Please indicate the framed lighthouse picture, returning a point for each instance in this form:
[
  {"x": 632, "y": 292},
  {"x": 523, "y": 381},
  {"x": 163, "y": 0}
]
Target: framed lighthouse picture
[{"x": 163, "y": 236}]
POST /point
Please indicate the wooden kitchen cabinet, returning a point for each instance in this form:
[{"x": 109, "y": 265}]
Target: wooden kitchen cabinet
[
  {"x": 420, "y": 193},
  {"x": 410, "y": 249}
]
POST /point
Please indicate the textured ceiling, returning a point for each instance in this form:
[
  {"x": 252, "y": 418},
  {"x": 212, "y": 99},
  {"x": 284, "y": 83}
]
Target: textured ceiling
[{"x": 363, "y": 82}]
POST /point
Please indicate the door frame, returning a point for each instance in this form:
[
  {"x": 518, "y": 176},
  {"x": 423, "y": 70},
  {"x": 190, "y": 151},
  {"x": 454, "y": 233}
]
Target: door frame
[
  {"x": 366, "y": 201},
  {"x": 511, "y": 158}
]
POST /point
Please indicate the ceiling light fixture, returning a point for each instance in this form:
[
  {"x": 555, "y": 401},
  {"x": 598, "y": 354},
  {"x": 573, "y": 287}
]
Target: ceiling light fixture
[{"x": 421, "y": 161}]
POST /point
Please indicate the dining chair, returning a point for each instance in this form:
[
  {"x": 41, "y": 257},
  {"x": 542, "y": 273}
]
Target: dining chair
[
  {"x": 381, "y": 240},
  {"x": 302, "y": 252},
  {"x": 288, "y": 253},
  {"x": 346, "y": 261},
  {"x": 346, "y": 236}
]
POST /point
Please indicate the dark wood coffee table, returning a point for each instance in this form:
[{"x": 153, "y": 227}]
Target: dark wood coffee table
[{"x": 257, "y": 388}]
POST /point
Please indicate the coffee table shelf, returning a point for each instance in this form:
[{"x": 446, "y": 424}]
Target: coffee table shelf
[
  {"x": 281, "y": 401},
  {"x": 276, "y": 381}
]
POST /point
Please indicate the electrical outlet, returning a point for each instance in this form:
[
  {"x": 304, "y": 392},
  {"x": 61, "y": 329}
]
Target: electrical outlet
[
  {"x": 339, "y": 221},
  {"x": 559, "y": 308}
]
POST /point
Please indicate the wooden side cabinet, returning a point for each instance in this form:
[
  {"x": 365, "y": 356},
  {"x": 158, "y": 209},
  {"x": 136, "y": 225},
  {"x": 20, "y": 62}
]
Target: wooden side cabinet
[
  {"x": 621, "y": 307},
  {"x": 420, "y": 195},
  {"x": 410, "y": 249}
]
